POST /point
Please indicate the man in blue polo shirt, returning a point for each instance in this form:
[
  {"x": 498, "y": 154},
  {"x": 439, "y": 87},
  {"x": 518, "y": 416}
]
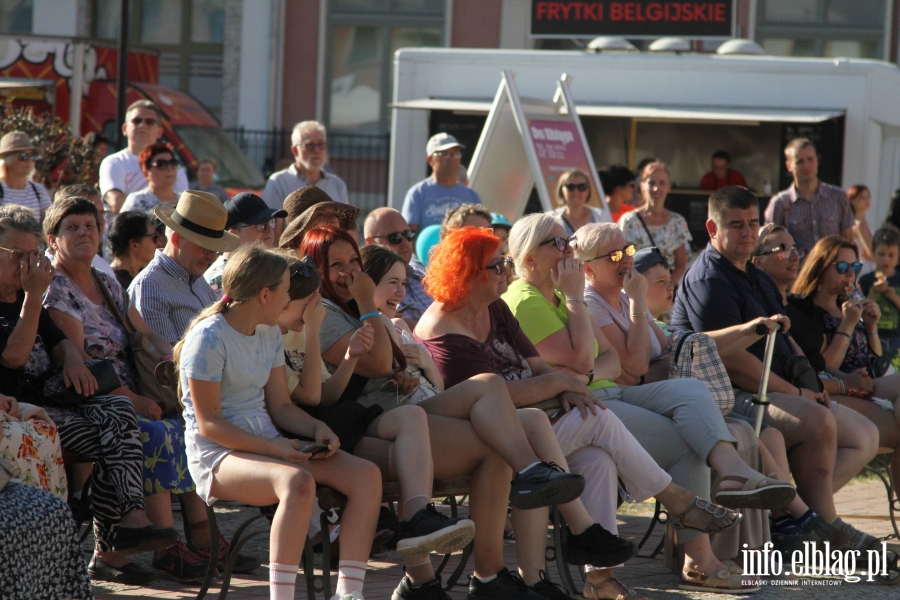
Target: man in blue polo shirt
[{"x": 827, "y": 444}]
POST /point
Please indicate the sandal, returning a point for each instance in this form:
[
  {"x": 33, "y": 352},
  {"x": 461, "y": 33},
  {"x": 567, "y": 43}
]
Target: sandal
[
  {"x": 724, "y": 582},
  {"x": 630, "y": 593},
  {"x": 715, "y": 522},
  {"x": 772, "y": 496}
]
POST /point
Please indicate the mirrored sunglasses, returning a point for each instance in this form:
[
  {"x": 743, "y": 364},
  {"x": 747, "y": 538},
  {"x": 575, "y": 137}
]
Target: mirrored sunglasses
[
  {"x": 843, "y": 266},
  {"x": 617, "y": 255},
  {"x": 397, "y": 237}
]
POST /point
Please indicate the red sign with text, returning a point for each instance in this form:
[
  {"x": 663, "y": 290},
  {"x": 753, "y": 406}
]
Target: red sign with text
[{"x": 636, "y": 19}]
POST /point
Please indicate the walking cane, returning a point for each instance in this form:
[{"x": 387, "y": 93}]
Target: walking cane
[{"x": 762, "y": 398}]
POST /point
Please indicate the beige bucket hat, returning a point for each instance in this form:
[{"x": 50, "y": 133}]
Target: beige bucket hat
[{"x": 200, "y": 218}]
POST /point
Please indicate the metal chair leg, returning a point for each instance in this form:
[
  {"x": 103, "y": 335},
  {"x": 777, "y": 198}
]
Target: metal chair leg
[
  {"x": 326, "y": 556},
  {"x": 660, "y": 516},
  {"x": 458, "y": 571},
  {"x": 559, "y": 540},
  {"x": 211, "y": 567}
]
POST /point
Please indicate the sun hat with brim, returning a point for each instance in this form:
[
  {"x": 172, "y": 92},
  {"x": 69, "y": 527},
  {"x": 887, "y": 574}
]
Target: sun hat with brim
[
  {"x": 293, "y": 235},
  {"x": 250, "y": 209},
  {"x": 200, "y": 218},
  {"x": 299, "y": 201},
  {"x": 15, "y": 141}
]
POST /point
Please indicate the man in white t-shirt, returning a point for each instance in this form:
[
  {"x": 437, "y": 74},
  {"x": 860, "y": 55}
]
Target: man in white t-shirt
[{"x": 120, "y": 173}]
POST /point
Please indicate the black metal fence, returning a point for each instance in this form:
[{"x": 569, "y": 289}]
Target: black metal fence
[{"x": 361, "y": 160}]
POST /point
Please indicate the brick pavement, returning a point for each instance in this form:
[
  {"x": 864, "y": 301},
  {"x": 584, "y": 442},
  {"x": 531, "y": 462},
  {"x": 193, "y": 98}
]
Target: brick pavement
[{"x": 862, "y": 504}]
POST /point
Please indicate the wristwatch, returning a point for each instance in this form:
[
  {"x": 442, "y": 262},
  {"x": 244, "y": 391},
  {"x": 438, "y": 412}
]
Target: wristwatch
[{"x": 590, "y": 375}]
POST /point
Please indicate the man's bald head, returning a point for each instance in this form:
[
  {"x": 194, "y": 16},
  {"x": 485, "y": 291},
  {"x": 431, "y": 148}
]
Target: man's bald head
[{"x": 380, "y": 224}]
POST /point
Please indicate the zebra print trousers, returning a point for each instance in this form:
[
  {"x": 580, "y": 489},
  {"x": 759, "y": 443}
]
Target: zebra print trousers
[{"x": 105, "y": 430}]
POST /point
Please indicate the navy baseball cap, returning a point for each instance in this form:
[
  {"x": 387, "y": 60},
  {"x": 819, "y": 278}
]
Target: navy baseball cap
[
  {"x": 250, "y": 209},
  {"x": 649, "y": 257}
]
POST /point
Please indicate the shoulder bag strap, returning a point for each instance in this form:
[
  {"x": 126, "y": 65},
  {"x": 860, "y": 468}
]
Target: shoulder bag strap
[
  {"x": 34, "y": 189},
  {"x": 125, "y": 322},
  {"x": 647, "y": 229},
  {"x": 566, "y": 221}
]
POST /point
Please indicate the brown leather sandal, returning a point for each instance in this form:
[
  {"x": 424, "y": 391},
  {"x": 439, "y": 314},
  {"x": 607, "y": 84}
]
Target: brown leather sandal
[
  {"x": 773, "y": 495},
  {"x": 715, "y": 521},
  {"x": 630, "y": 593},
  {"x": 723, "y": 582}
]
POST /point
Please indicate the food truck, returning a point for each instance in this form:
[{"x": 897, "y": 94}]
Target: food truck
[{"x": 678, "y": 107}]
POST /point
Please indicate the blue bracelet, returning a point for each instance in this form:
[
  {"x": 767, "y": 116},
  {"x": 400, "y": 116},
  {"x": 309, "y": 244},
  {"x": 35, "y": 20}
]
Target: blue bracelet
[{"x": 369, "y": 314}]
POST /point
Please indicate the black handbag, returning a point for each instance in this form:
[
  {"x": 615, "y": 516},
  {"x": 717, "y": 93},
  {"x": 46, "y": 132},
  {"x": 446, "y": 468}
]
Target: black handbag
[
  {"x": 55, "y": 393},
  {"x": 878, "y": 366},
  {"x": 800, "y": 373}
]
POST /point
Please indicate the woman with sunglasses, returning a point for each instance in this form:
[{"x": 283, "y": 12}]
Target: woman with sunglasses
[
  {"x": 132, "y": 242},
  {"x": 655, "y": 225},
  {"x": 161, "y": 172},
  {"x": 573, "y": 192},
  {"x": 837, "y": 332},
  {"x": 671, "y": 419},
  {"x": 19, "y": 155}
]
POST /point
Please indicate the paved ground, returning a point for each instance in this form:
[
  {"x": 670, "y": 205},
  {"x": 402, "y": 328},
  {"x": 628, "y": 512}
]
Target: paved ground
[{"x": 862, "y": 504}]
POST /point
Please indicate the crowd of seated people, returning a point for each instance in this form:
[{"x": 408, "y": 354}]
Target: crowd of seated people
[{"x": 535, "y": 365}]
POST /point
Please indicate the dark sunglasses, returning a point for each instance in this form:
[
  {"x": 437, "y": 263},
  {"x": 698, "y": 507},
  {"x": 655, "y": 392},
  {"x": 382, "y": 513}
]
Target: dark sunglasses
[
  {"x": 29, "y": 156},
  {"x": 163, "y": 164},
  {"x": 562, "y": 244},
  {"x": 310, "y": 146},
  {"x": 502, "y": 268},
  {"x": 617, "y": 255},
  {"x": 154, "y": 235},
  {"x": 784, "y": 250},
  {"x": 397, "y": 237},
  {"x": 843, "y": 266},
  {"x": 137, "y": 121},
  {"x": 305, "y": 269},
  {"x": 577, "y": 187}
]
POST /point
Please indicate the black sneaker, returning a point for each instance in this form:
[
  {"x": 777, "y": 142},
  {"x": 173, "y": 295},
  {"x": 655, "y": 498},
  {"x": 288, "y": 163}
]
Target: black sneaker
[
  {"x": 427, "y": 591},
  {"x": 544, "y": 484},
  {"x": 598, "y": 547},
  {"x": 507, "y": 586},
  {"x": 431, "y": 531},
  {"x": 834, "y": 534},
  {"x": 242, "y": 565},
  {"x": 548, "y": 589},
  {"x": 180, "y": 564},
  {"x": 130, "y": 574}
]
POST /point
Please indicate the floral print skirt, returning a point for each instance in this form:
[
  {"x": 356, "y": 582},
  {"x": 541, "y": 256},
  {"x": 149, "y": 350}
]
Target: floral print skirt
[
  {"x": 33, "y": 448},
  {"x": 165, "y": 461}
]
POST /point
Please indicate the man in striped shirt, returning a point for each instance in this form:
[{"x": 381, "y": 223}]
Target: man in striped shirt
[
  {"x": 810, "y": 209},
  {"x": 170, "y": 291}
]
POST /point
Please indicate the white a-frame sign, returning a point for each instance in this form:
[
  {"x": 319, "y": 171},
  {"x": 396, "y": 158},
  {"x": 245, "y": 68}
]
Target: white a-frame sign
[{"x": 528, "y": 142}]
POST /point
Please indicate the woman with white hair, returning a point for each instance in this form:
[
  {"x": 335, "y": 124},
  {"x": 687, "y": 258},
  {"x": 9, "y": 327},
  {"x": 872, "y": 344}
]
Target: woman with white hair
[{"x": 548, "y": 299}]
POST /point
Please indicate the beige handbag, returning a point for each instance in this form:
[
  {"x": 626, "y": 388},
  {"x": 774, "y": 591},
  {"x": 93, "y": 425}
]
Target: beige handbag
[{"x": 155, "y": 375}]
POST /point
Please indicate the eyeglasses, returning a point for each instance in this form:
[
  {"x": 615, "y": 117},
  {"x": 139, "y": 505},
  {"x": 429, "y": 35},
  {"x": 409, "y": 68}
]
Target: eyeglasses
[
  {"x": 562, "y": 244},
  {"x": 23, "y": 156},
  {"x": 617, "y": 255},
  {"x": 137, "y": 122},
  {"x": 18, "y": 254},
  {"x": 154, "y": 235},
  {"x": 502, "y": 268},
  {"x": 448, "y": 154},
  {"x": 783, "y": 250},
  {"x": 843, "y": 266},
  {"x": 260, "y": 227},
  {"x": 397, "y": 237},
  {"x": 312, "y": 146},
  {"x": 576, "y": 187},
  {"x": 305, "y": 269},
  {"x": 163, "y": 164}
]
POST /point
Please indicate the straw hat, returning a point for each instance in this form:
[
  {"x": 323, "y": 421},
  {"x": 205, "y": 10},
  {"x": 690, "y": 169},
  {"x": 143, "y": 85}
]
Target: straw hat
[
  {"x": 199, "y": 217},
  {"x": 15, "y": 141},
  {"x": 304, "y": 205}
]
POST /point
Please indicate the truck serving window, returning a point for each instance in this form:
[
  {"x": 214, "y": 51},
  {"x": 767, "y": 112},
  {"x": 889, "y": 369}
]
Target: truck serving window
[{"x": 235, "y": 170}]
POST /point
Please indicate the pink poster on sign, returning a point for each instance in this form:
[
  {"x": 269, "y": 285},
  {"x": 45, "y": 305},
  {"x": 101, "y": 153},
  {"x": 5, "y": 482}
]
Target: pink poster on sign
[{"x": 559, "y": 148}]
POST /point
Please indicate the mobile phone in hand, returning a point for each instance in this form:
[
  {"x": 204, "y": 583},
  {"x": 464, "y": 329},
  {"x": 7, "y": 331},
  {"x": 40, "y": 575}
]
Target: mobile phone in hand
[{"x": 316, "y": 448}]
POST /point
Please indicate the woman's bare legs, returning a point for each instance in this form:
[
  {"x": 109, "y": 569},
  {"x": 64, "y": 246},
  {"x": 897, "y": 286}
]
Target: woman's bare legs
[
  {"x": 484, "y": 400},
  {"x": 409, "y": 458},
  {"x": 857, "y": 444},
  {"x": 774, "y": 459},
  {"x": 887, "y": 423}
]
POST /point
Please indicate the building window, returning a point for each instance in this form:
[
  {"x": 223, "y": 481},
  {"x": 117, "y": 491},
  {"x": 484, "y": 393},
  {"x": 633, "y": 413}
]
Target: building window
[
  {"x": 15, "y": 16},
  {"x": 363, "y": 36},
  {"x": 187, "y": 34},
  {"x": 830, "y": 28}
]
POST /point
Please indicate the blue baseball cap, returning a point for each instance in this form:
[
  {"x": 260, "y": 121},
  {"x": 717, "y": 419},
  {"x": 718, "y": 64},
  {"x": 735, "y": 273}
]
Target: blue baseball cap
[
  {"x": 498, "y": 220},
  {"x": 648, "y": 257}
]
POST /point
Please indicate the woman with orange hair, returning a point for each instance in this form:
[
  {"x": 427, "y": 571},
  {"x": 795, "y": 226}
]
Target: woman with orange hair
[
  {"x": 415, "y": 448},
  {"x": 470, "y": 330}
]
